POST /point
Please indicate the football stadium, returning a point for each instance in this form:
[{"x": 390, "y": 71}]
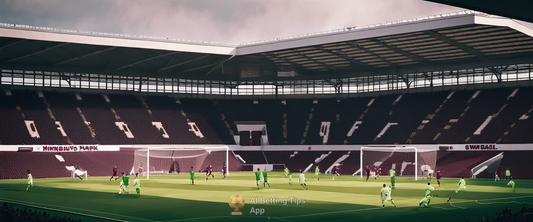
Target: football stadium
[{"x": 423, "y": 119}]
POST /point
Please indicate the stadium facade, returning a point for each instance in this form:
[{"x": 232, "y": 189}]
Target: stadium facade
[{"x": 311, "y": 91}]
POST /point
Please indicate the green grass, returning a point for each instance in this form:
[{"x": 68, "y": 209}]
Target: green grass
[{"x": 347, "y": 198}]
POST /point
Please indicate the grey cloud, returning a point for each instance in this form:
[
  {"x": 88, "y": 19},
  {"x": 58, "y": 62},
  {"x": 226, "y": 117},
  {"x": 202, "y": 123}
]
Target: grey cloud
[{"x": 231, "y": 21}]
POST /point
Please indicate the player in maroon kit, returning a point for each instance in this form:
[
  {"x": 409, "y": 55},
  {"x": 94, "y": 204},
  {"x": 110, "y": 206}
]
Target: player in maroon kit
[
  {"x": 224, "y": 170},
  {"x": 114, "y": 174},
  {"x": 209, "y": 172},
  {"x": 367, "y": 169},
  {"x": 438, "y": 177},
  {"x": 336, "y": 171}
]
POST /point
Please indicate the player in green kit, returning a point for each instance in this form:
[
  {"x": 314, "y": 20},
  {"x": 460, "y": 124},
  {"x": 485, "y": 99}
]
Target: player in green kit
[
  {"x": 257, "y": 177},
  {"x": 137, "y": 184},
  {"x": 511, "y": 183},
  {"x": 30, "y": 182},
  {"x": 461, "y": 185},
  {"x": 507, "y": 174},
  {"x": 265, "y": 176},
  {"x": 302, "y": 180},
  {"x": 392, "y": 174},
  {"x": 425, "y": 201},
  {"x": 386, "y": 195},
  {"x": 429, "y": 188},
  {"x": 317, "y": 172},
  {"x": 124, "y": 184},
  {"x": 192, "y": 175},
  {"x": 286, "y": 172}
]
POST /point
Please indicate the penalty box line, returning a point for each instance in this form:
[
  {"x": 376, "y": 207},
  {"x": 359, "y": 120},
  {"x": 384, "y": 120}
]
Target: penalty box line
[
  {"x": 477, "y": 201},
  {"x": 333, "y": 212},
  {"x": 346, "y": 211},
  {"x": 64, "y": 211}
]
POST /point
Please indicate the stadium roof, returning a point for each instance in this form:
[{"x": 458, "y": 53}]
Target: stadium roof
[
  {"x": 442, "y": 42},
  {"x": 513, "y": 9}
]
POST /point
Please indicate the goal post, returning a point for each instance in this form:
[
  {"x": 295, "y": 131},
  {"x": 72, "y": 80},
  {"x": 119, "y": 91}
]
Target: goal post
[
  {"x": 179, "y": 159},
  {"x": 410, "y": 160}
]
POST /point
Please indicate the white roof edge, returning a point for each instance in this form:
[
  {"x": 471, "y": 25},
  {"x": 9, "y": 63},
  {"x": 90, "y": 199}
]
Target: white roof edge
[
  {"x": 116, "y": 42},
  {"x": 504, "y": 22},
  {"x": 370, "y": 31},
  {"x": 400, "y": 28}
]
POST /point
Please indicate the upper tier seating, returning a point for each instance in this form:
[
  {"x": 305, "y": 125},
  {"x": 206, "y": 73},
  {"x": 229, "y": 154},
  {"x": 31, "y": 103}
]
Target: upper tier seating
[{"x": 416, "y": 118}]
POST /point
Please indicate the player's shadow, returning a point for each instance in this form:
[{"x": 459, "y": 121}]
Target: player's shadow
[
  {"x": 12, "y": 189},
  {"x": 134, "y": 196},
  {"x": 15, "y": 188}
]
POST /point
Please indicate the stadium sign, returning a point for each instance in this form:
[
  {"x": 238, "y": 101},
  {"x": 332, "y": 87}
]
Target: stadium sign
[
  {"x": 481, "y": 147},
  {"x": 69, "y": 148}
]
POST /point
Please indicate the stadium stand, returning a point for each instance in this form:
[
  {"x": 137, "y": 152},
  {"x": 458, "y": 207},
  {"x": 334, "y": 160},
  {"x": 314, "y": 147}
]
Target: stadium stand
[
  {"x": 410, "y": 106},
  {"x": 460, "y": 164},
  {"x": 34, "y": 107},
  {"x": 324, "y": 110},
  {"x": 303, "y": 159},
  {"x": 374, "y": 120},
  {"x": 453, "y": 117},
  {"x": 175, "y": 122},
  {"x": 351, "y": 164},
  {"x": 298, "y": 113},
  {"x": 63, "y": 108},
  {"x": 488, "y": 102},
  {"x": 252, "y": 157},
  {"x": 269, "y": 111},
  {"x": 102, "y": 119},
  {"x": 350, "y": 110},
  {"x": 197, "y": 111},
  {"x": 450, "y": 120},
  {"x": 42, "y": 165},
  {"x": 516, "y": 122},
  {"x": 441, "y": 118},
  {"x": 12, "y": 129}
]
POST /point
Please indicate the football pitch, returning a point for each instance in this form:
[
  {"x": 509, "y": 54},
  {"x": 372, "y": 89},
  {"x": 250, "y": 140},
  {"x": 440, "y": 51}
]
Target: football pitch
[{"x": 347, "y": 198}]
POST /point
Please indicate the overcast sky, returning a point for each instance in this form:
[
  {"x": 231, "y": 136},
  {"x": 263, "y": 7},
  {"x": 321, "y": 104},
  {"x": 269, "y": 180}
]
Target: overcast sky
[{"x": 228, "y": 21}]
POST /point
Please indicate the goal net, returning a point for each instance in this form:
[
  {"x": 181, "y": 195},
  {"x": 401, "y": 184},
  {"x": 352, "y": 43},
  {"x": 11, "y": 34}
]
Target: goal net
[
  {"x": 406, "y": 161},
  {"x": 180, "y": 159},
  {"x": 490, "y": 166}
]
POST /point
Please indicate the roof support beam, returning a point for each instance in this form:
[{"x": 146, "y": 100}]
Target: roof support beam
[
  {"x": 314, "y": 60},
  {"x": 337, "y": 85},
  {"x": 11, "y": 43},
  {"x": 181, "y": 63},
  {"x": 146, "y": 59},
  {"x": 200, "y": 67},
  {"x": 370, "y": 52},
  {"x": 296, "y": 65},
  {"x": 497, "y": 72},
  {"x": 35, "y": 53},
  {"x": 339, "y": 54},
  {"x": 85, "y": 55},
  {"x": 112, "y": 59},
  {"x": 220, "y": 63},
  {"x": 400, "y": 51},
  {"x": 455, "y": 43}
]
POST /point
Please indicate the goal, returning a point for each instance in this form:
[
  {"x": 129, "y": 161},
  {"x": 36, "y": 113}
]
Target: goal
[
  {"x": 179, "y": 159},
  {"x": 410, "y": 161}
]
